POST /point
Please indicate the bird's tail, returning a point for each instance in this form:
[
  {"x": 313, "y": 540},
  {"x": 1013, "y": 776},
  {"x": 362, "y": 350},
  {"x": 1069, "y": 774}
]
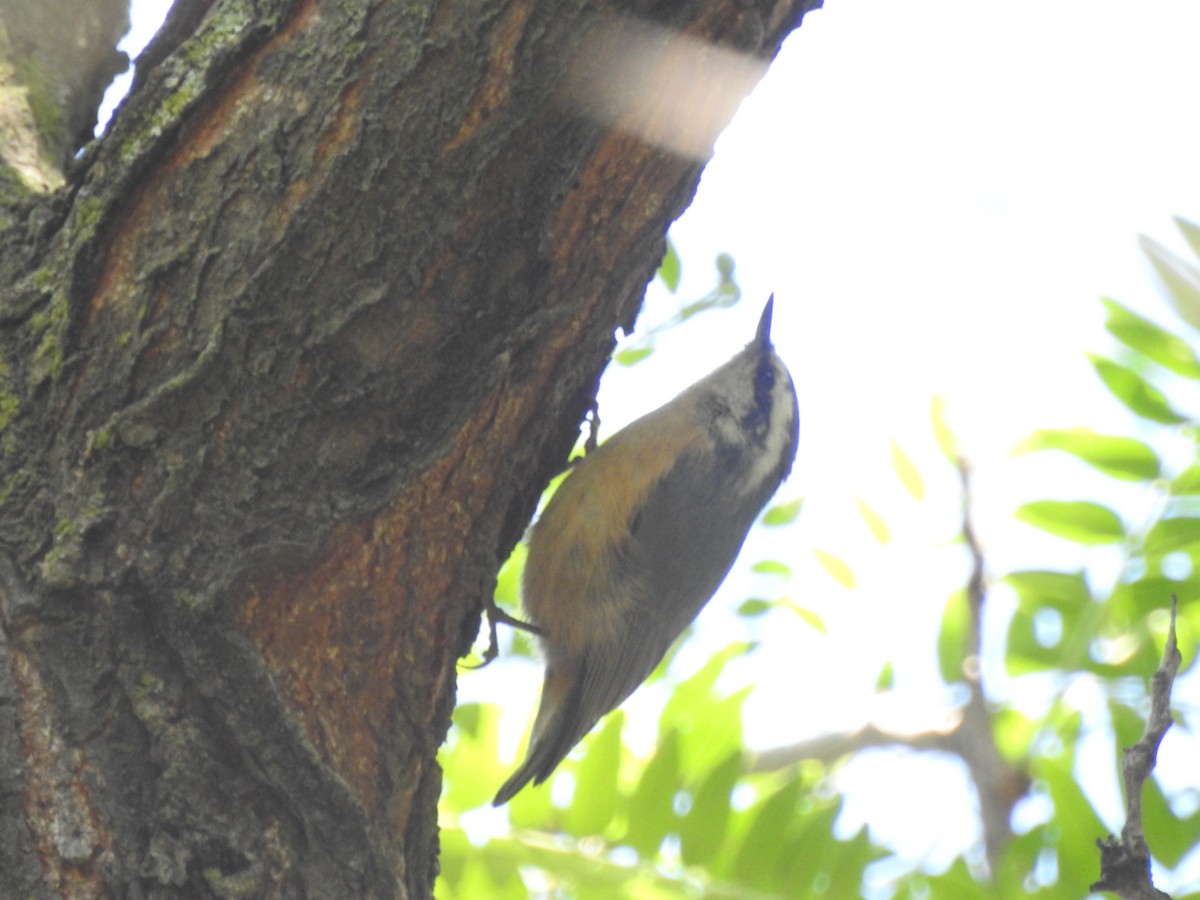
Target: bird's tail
[{"x": 554, "y": 732}]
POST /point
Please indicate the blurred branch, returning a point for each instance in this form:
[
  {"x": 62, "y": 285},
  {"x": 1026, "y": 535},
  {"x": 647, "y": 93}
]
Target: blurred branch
[
  {"x": 1125, "y": 864},
  {"x": 997, "y": 784},
  {"x": 968, "y": 734},
  {"x": 829, "y": 748},
  {"x": 726, "y": 294}
]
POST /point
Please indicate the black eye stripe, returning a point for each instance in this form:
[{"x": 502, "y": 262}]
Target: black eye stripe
[
  {"x": 757, "y": 420},
  {"x": 764, "y": 380}
]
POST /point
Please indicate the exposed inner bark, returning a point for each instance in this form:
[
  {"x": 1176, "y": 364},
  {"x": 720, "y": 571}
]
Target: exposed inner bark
[{"x": 282, "y": 375}]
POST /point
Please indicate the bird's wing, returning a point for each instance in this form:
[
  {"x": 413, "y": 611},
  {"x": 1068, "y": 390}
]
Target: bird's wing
[{"x": 683, "y": 542}]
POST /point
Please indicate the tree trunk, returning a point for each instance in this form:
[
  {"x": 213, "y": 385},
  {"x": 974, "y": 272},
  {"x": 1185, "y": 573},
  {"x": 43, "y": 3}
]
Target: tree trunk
[{"x": 283, "y": 369}]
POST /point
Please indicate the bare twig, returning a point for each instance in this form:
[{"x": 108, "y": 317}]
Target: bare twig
[{"x": 1125, "y": 864}]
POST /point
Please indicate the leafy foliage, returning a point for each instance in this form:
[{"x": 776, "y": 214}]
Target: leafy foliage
[
  {"x": 648, "y": 827},
  {"x": 691, "y": 817},
  {"x": 725, "y": 294},
  {"x": 1077, "y": 629}
]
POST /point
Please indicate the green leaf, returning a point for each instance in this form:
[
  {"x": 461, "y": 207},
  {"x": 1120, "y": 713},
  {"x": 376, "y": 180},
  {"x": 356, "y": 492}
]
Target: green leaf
[
  {"x": 595, "y": 801},
  {"x": 1011, "y": 875},
  {"x": 1024, "y": 652},
  {"x": 1151, "y": 340},
  {"x": 651, "y": 809},
  {"x": 783, "y": 513},
  {"x": 814, "y": 863},
  {"x": 957, "y": 883},
  {"x": 954, "y": 637},
  {"x": 1040, "y": 587},
  {"x": 836, "y": 567},
  {"x": 1132, "y": 601},
  {"x": 907, "y": 471},
  {"x": 532, "y": 808},
  {"x": 508, "y": 580},
  {"x": 508, "y": 595},
  {"x": 709, "y": 726},
  {"x": 762, "y": 845},
  {"x": 1190, "y": 232},
  {"x": 886, "y": 679},
  {"x": 1175, "y": 533},
  {"x": 1120, "y": 457},
  {"x": 843, "y": 864},
  {"x": 1076, "y": 858},
  {"x": 1014, "y": 733},
  {"x": 1135, "y": 659},
  {"x": 754, "y": 606},
  {"x": 1186, "y": 482},
  {"x": 725, "y": 265},
  {"x": 1169, "y": 842},
  {"x": 858, "y": 853},
  {"x": 1180, "y": 278},
  {"x": 772, "y": 567},
  {"x": 808, "y": 616},
  {"x": 1138, "y": 394},
  {"x": 947, "y": 441},
  {"x": 670, "y": 269},
  {"x": 1080, "y": 521},
  {"x": 1044, "y": 593},
  {"x": 465, "y": 872},
  {"x": 878, "y": 527},
  {"x": 1120, "y": 650},
  {"x": 454, "y": 853},
  {"x": 633, "y": 355},
  {"x": 703, "y": 829},
  {"x": 1127, "y": 728},
  {"x": 583, "y": 875},
  {"x": 469, "y": 757}
]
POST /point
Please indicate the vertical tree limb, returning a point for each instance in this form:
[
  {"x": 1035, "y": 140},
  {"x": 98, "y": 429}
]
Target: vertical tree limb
[{"x": 1125, "y": 863}]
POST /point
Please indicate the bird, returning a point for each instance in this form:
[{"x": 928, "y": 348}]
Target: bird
[{"x": 640, "y": 535}]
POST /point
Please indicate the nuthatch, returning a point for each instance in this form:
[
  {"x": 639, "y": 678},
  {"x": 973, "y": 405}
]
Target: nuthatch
[{"x": 640, "y": 535}]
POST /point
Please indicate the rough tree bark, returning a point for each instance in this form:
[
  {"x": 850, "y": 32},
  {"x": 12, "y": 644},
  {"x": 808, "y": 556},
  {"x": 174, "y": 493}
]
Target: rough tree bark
[{"x": 283, "y": 368}]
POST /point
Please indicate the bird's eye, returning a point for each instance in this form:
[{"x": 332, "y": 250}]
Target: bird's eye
[{"x": 764, "y": 380}]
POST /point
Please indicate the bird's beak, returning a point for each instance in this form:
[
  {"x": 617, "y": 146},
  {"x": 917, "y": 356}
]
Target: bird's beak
[{"x": 763, "y": 336}]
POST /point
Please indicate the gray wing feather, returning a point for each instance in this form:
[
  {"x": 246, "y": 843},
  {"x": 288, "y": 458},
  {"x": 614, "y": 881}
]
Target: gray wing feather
[
  {"x": 604, "y": 682},
  {"x": 684, "y": 540}
]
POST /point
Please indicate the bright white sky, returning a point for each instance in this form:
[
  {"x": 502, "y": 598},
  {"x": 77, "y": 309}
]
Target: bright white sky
[{"x": 938, "y": 194}]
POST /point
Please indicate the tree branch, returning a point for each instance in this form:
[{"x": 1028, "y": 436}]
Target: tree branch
[
  {"x": 829, "y": 748},
  {"x": 968, "y": 733},
  {"x": 998, "y": 785},
  {"x": 1125, "y": 864}
]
